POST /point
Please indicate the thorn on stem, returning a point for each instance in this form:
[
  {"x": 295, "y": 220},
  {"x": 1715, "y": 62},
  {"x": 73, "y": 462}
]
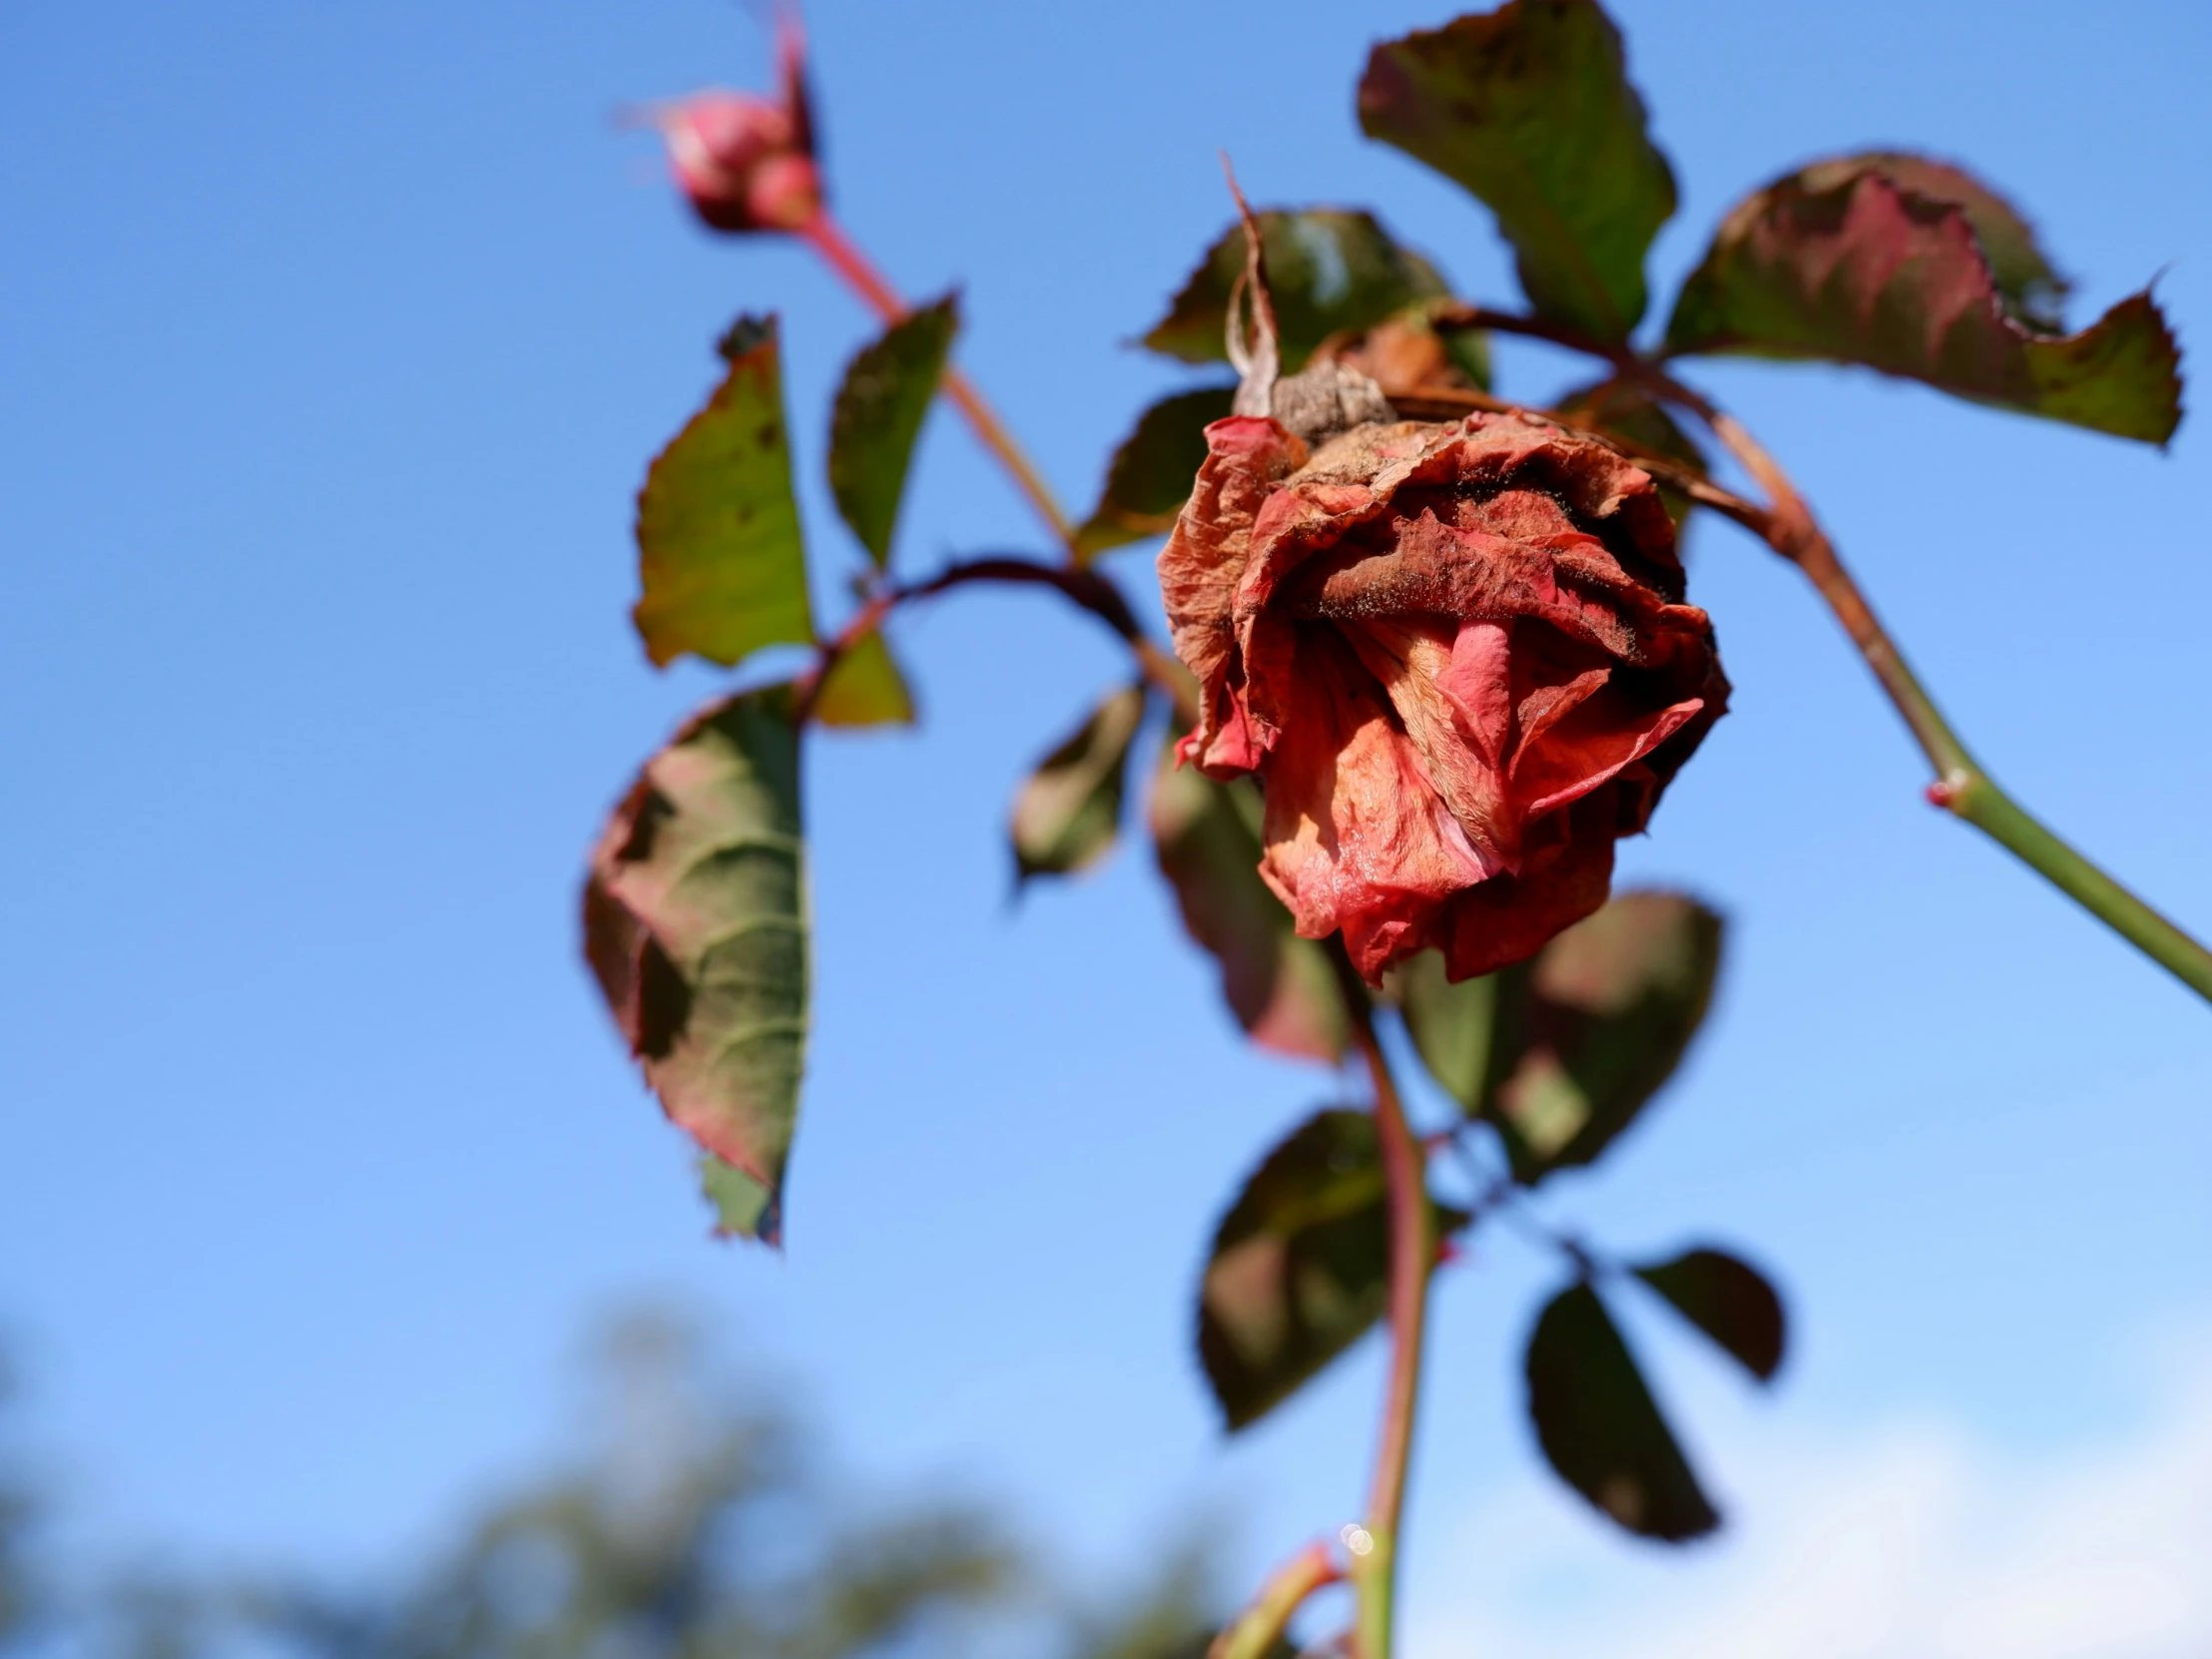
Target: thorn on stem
[{"x": 1945, "y": 791}]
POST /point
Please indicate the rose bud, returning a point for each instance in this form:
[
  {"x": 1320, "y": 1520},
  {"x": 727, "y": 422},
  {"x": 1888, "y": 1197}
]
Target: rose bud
[
  {"x": 746, "y": 162},
  {"x": 1456, "y": 657}
]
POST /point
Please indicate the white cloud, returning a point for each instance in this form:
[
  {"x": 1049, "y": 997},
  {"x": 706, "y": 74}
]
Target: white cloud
[{"x": 1912, "y": 1542}]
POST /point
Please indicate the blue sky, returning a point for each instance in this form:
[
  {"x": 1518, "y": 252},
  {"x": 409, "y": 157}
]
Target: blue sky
[{"x": 336, "y": 341}]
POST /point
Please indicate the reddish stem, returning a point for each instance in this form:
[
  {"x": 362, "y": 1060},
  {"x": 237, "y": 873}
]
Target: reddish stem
[
  {"x": 1412, "y": 1261},
  {"x": 822, "y": 233},
  {"x": 1260, "y": 1627}
]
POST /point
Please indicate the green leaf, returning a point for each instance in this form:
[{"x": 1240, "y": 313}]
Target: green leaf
[
  {"x": 1560, "y": 1053},
  {"x": 1729, "y": 1299},
  {"x": 1530, "y": 109},
  {"x": 886, "y": 391},
  {"x": 720, "y": 553},
  {"x": 1301, "y": 1265},
  {"x": 1453, "y": 1025},
  {"x": 1591, "y": 1027},
  {"x": 696, "y": 924},
  {"x": 1468, "y": 351},
  {"x": 1067, "y": 813},
  {"x": 1150, "y": 476},
  {"x": 1329, "y": 269},
  {"x": 864, "y": 687},
  {"x": 1842, "y": 262},
  {"x": 1280, "y": 987},
  {"x": 1602, "y": 1429},
  {"x": 741, "y": 1205}
]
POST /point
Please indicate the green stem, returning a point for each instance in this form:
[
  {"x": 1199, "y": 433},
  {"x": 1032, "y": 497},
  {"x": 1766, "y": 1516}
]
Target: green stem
[
  {"x": 1412, "y": 1260},
  {"x": 1997, "y": 815},
  {"x": 1258, "y": 1627},
  {"x": 1961, "y": 786}
]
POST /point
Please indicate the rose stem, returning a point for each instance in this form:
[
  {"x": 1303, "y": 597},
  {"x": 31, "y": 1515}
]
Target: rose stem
[
  {"x": 1961, "y": 786},
  {"x": 1413, "y": 1258},
  {"x": 827, "y": 238},
  {"x": 1260, "y": 1626}
]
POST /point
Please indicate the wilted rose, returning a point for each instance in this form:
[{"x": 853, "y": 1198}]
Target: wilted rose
[
  {"x": 746, "y": 162},
  {"x": 1457, "y": 659}
]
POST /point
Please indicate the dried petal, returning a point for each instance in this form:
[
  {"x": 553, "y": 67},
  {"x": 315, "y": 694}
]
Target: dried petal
[{"x": 1457, "y": 659}]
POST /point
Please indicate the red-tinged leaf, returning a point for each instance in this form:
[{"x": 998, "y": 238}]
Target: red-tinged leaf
[
  {"x": 1591, "y": 1027},
  {"x": 1529, "y": 108},
  {"x": 1301, "y": 1265},
  {"x": 1150, "y": 476},
  {"x": 886, "y": 391},
  {"x": 694, "y": 923},
  {"x": 720, "y": 553},
  {"x": 865, "y": 687},
  {"x": 1602, "y": 1429},
  {"x": 1562, "y": 1052},
  {"x": 1330, "y": 269},
  {"x": 2027, "y": 284},
  {"x": 1729, "y": 1299},
  {"x": 1280, "y": 987},
  {"x": 1067, "y": 812},
  {"x": 1843, "y": 262}
]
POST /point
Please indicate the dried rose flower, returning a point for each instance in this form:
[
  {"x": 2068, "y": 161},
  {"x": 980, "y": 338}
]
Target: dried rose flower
[
  {"x": 1456, "y": 659},
  {"x": 746, "y": 162}
]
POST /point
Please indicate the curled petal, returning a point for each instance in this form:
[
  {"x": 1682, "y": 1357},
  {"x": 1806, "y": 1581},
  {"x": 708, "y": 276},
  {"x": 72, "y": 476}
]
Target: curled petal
[{"x": 1457, "y": 658}]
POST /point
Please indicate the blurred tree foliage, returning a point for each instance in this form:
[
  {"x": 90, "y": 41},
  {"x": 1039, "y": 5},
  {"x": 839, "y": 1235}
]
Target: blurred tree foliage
[
  {"x": 698, "y": 1523},
  {"x": 18, "y": 1511}
]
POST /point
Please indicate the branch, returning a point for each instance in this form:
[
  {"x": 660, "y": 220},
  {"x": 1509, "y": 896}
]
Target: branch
[
  {"x": 822, "y": 233},
  {"x": 1260, "y": 1626},
  {"x": 1961, "y": 786},
  {"x": 1087, "y": 589}
]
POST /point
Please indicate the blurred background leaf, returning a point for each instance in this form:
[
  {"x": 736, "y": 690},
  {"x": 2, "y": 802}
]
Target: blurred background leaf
[
  {"x": 1729, "y": 1299},
  {"x": 1329, "y": 269},
  {"x": 1150, "y": 476},
  {"x": 1602, "y": 1429},
  {"x": 1300, "y": 1265},
  {"x": 720, "y": 553},
  {"x": 1280, "y": 987},
  {"x": 1067, "y": 813},
  {"x": 1562, "y": 1052},
  {"x": 865, "y": 687},
  {"x": 881, "y": 402}
]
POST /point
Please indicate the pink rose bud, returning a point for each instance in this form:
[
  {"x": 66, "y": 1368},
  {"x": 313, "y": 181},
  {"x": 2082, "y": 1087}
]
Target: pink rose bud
[{"x": 746, "y": 162}]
